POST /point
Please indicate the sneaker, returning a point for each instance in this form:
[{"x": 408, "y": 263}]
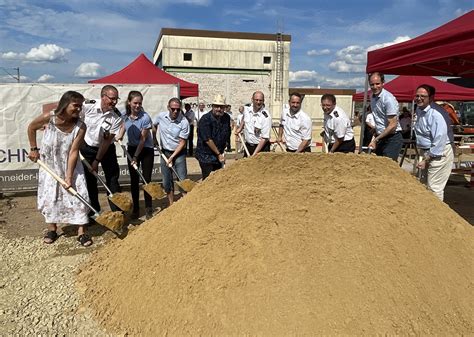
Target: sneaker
[{"x": 148, "y": 213}]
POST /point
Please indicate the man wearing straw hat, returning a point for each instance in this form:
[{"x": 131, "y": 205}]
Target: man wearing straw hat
[{"x": 213, "y": 133}]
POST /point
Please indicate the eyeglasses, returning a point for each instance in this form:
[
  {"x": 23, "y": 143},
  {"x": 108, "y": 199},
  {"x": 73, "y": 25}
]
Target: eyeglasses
[
  {"x": 116, "y": 99},
  {"x": 175, "y": 109},
  {"x": 421, "y": 96}
]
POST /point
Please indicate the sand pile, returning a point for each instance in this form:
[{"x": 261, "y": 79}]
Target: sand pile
[{"x": 292, "y": 245}]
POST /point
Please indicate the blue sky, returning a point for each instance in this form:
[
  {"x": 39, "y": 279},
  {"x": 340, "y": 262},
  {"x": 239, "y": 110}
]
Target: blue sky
[{"x": 72, "y": 41}]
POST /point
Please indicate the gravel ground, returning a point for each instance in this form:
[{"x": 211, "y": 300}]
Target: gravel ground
[{"x": 37, "y": 288}]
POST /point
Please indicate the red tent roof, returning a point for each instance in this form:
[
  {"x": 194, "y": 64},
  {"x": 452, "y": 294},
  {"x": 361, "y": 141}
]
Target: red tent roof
[
  {"x": 143, "y": 71},
  {"x": 445, "y": 51},
  {"x": 404, "y": 87}
]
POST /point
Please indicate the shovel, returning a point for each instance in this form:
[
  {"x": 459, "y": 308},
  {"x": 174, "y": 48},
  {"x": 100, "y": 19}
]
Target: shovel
[
  {"x": 245, "y": 146},
  {"x": 276, "y": 140},
  {"x": 186, "y": 184},
  {"x": 153, "y": 189},
  {"x": 121, "y": 200},
  {"x": 111, "y": 220}
]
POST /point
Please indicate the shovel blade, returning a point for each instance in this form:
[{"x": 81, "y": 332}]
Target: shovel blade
[
  {"x": 186, "y": 185},
  {"x": 111, "y": 220},
  {"x": 155, "y": 190},
  {"x": 122, "y": 201}
]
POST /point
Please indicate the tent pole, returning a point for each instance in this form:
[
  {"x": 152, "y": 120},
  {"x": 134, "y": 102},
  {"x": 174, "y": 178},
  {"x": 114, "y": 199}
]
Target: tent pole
[{"x": 364, "y": 112}]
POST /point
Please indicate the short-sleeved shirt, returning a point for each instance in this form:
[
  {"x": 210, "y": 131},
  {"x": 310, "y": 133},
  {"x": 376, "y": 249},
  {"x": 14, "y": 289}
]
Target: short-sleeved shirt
[
  {"x": 337, "y": 125},
  {"x": 431, "y": 131},
  {"x": 296, "y": 128},
  {"x": 190, "y": 116},
  {"x": 134, "y": 128},
  {"x": 384, "y": 105},
  {"x": 198, "y": 115},
  {"x": 217, "y": 129},
  {"x": 171, "y": 131},
  {"x": 257, "y": 125},
  {"x": 99, "y": 123},
  {"x": 370, "y": 119}
]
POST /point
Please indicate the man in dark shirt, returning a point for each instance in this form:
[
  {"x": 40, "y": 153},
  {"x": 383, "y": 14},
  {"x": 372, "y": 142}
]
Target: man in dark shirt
[{"x": 213, "y": 133}]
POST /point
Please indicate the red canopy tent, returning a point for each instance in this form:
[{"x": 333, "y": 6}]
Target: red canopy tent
[
  {"x": 143, "y": 71},
  {"x": 404, "y": 87},
  {"x": 445, "y": 51}
]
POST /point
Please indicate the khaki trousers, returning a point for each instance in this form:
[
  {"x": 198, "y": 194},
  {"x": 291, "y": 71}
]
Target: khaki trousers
[{"x": 437, "y": 173}]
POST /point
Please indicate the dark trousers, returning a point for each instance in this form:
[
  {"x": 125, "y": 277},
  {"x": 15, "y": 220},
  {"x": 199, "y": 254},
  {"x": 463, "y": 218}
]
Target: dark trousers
[
  {"x": 347, "y": 146},
  {"x": 207, "y": 168},
  {"x": 390, "y": 146},
  {"x": 252, "y": 147},
  {"x": 145, "y": 161},
  {"x": 190, "y": 140},
  {"x": 308, "y": 149},
  {"x": 111, "y": 171}
]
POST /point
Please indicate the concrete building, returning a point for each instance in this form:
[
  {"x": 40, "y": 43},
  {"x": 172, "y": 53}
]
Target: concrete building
[{"x": 230, "y": 63}]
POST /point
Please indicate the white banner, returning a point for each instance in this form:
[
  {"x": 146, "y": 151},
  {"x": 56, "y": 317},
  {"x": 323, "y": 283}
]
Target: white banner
[{"x": 21, "y": 103}]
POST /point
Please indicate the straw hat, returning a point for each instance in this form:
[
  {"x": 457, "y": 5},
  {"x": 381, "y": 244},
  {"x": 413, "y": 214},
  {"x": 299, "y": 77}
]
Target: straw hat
[{"x": 219, "y": 100}]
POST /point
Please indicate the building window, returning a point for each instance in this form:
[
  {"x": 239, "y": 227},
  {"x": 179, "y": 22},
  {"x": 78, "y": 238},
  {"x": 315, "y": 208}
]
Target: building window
[
  {"x": 267, "y": 59},
  {"x": 187, "y": 57}
]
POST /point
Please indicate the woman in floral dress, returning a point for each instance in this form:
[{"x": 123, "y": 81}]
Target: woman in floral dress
[{"x": 63, "y": 135}]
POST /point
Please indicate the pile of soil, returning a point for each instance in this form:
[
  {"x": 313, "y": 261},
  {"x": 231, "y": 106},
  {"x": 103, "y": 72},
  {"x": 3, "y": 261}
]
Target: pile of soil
[{"x": 286, "y": 244}]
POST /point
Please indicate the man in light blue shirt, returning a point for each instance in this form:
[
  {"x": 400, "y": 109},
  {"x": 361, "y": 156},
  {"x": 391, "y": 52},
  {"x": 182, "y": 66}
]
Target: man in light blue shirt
[
  {"x": 173, "y": 129},
  {"x": 432, "y": 139},
  {"x": 388, "y": 140}
]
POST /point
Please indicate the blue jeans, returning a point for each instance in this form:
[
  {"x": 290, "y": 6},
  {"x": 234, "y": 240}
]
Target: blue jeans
[
  {"x": 179, "y": 164},
  {"x": 390, "y": 146}
]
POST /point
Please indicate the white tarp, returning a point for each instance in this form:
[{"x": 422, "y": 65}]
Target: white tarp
[{"x": 21, "y": 103}]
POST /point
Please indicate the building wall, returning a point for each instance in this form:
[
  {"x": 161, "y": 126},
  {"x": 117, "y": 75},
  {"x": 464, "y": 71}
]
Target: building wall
[{"x": 237, "y": 88}]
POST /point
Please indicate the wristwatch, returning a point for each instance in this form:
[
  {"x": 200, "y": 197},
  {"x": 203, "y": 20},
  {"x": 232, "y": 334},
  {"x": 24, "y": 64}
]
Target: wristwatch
[{"x": 34, "y": 149}]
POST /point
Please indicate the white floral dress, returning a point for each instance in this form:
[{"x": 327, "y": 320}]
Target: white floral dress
[{"x": 55, "y": 203}]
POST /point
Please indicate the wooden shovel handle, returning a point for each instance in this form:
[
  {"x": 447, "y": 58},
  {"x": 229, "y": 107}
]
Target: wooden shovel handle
[
  {"x": 245, "y": 146},
  {"x": 55, "y": 176},
  {"x": 85, "y": 162}
]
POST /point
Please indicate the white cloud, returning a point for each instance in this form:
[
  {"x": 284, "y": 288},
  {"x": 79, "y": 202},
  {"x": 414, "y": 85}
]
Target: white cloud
[
  {"x": 45, "y": 78},
  {"x": 352, "y": 59},
  {"x": 10, "y": 79},
  {"x": 459, "y": 11},
  {"x": 345, "y": 67},
  {"x": 43, "y": 53},
  {"x": 315, "y": 52},
  {"x": 88, "y": 70},
  {"x": 399, "y": 39},
  {"x": 303, "y": 76}
]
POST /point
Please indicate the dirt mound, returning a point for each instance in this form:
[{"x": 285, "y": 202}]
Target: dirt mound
[{"x": 288, "y": 244}]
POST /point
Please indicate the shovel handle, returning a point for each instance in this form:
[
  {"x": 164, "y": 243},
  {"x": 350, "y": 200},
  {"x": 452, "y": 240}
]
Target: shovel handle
[
  {"x": 129, "y": 157},
  {"x": 70, "y": 189},
  {"x": 86, "y": 163},
  {"x": 245, "y": 146},
  {"x": 279, "y": 144},
  {"x": 166, "y": 160}
]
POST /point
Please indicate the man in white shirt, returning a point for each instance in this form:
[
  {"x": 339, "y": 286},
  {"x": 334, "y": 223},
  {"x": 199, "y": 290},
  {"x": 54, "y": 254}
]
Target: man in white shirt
[
  {"x": 337, "y": 132},
  {"x": 296, "y": 126},
  {"x": 256, "y": 125},
  {"x": 200, "y": 112},
  {"x": 103, "y": 122}
]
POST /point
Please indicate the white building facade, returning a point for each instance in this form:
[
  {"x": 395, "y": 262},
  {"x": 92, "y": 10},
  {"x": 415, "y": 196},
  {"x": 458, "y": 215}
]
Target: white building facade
[{"x": 233, "y": 64}]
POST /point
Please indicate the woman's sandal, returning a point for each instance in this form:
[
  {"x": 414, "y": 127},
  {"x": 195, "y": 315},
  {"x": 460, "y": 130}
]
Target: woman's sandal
[
  {"x": 85, "y": 240},
  {"x": 50, "y": 237}
]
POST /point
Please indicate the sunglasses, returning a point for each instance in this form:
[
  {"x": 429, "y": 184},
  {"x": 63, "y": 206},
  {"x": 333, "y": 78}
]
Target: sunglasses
[{"x": 175, "y": 109}]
